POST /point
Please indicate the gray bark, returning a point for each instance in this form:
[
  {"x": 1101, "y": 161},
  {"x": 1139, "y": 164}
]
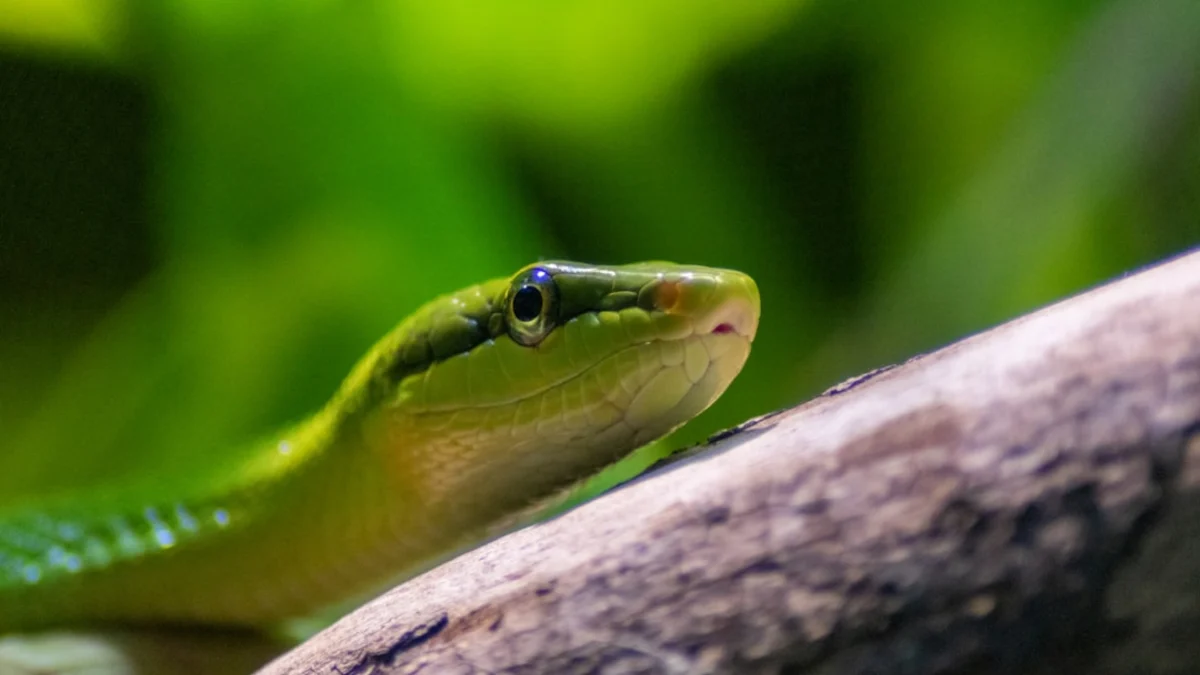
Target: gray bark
[{"x": 1025, "y": 500}]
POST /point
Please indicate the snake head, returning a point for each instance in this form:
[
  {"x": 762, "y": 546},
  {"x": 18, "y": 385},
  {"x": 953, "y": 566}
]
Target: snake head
[{"x": 502, "y": 393}]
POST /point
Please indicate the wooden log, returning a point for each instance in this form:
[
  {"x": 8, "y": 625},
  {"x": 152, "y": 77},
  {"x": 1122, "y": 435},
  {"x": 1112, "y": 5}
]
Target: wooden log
[{"x": 1025, "y": 500}]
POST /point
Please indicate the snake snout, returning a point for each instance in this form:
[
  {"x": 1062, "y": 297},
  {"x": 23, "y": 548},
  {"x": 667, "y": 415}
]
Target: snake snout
[
  {"x": 718, "y": 301},
  {"x": 736, "y": 313}
]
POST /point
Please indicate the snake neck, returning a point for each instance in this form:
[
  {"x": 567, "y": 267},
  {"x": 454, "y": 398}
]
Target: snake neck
[{"x": 306, "y": 517}]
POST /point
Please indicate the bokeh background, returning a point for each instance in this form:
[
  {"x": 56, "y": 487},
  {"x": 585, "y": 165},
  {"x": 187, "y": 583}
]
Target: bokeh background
[{"x": 210, "y": 210}]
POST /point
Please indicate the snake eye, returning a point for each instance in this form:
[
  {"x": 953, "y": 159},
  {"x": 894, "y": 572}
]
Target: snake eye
[
  {"x": 532, "y": 304},
  {"x": 527, "y": 303}
]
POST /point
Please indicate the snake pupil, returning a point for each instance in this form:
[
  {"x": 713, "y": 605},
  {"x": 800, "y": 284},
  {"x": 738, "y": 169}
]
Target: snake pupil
[{"x": 527, "y": 303}]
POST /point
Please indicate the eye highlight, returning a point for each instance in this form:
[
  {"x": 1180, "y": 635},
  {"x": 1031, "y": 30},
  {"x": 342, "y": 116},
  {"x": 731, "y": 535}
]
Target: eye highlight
[{"x": 532, "y": 307}]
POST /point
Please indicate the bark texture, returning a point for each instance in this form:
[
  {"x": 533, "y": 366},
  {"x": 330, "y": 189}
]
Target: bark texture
[{"x": 1025, "y": 500}]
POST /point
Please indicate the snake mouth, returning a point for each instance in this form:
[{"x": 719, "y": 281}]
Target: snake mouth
[
  {"x": 738, "y": 317},
  {"x": 611, "y": 366}
]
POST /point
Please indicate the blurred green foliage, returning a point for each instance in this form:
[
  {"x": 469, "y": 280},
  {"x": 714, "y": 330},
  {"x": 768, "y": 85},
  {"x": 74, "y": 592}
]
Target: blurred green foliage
[{"x": 209, "y": 210}]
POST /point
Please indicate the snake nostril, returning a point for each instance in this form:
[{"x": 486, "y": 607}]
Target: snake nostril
[
  {"x": 723, "y": 328},
  {"x": 666, "y": 296}
]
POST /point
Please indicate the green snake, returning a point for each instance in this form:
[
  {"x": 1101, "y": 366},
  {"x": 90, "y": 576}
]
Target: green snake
[{"x": 478, "y": 405}]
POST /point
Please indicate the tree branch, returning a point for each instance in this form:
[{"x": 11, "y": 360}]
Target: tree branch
[{"x": 1025, "y": 500}]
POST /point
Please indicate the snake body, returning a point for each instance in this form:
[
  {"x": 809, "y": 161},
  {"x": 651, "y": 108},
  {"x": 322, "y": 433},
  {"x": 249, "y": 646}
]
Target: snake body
[{"x": 478, "y": 405}]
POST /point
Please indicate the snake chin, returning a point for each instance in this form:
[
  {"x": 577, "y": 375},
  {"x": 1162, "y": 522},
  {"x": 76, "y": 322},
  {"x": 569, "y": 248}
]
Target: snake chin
[{"x": 692, "y": 373}]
